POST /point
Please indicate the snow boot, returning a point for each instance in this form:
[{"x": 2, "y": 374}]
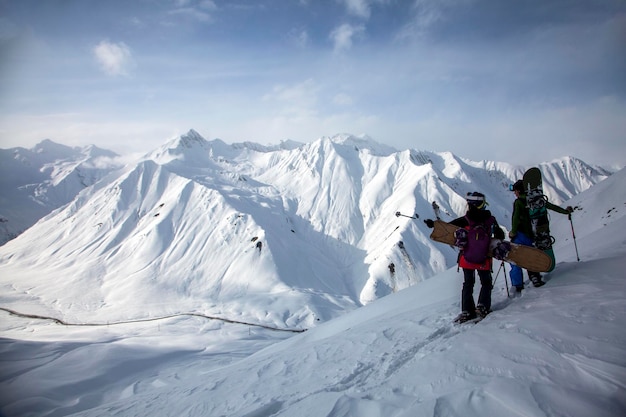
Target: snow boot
[
  {"x": 535, "y": 277},
  {"x": 482, "y": 311},
  {"x": 465, "y": 316}
]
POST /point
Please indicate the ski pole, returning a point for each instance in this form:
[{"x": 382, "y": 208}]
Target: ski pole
[
  {"x": 574, "y": 236},
  {"x": 502, "y": 267},
  {"x": 398, "y": 214},
  {"x": 496, "y": 278},
  {"x": 506, "y": 281}
]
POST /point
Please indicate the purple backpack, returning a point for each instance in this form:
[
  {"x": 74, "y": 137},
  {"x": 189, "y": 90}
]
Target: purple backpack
[{"x": 474, "y": 240}]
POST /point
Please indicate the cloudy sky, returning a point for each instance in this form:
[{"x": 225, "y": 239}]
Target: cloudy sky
[{"x": 521, "y": 82}]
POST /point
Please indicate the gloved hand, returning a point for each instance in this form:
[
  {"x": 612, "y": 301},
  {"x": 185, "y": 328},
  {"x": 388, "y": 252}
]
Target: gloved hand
[
  {"x": 512, "y": 234},
  {"x": 569, "y": 209},
  {"x": 429, "y": 223}
]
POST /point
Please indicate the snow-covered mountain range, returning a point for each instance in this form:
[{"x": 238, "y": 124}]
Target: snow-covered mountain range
[
  {"x": 558, "y": 350},
  {"x": 34, "y": 182},
  {"x": 282, "y": 236}
]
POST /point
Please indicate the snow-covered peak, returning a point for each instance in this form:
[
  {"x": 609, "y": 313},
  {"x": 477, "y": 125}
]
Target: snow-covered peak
[
  {"x": 567, "y": 174},
  {"x": 191, "y": 140},
  {"x": 44, "y": 178},
  {"x": 361, "y": 142},
  {"x": 190, "y": 148},
  {"x": 580, "y": 167},
  {"x": 284, "y": 145},
  {"x": 44, "y": 152},
  {"x": 93, "y": 152},
  {"x": 50, "y": 150}
]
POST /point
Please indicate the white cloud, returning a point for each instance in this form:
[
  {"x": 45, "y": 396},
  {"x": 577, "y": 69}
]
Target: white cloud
[
  {"x": 114, "y": 58},
  {"x": 426, "y": 13},
  {"x": 360, "y": 8},
  {"x": 343, "y": 36},
  {"x": 196, "y": 11},
  {"x": 192, "y": 14}
]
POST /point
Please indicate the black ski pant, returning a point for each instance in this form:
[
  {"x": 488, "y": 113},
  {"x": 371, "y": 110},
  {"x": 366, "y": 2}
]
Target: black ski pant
[{"x": 467, "y": 294}]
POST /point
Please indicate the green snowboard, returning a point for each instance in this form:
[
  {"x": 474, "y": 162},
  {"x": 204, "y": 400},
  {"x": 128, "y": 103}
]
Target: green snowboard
[{"x": 536, "y": 202}]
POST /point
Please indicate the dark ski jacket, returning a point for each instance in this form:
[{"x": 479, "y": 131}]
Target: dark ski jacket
[
  {"x": 478, "y": 216},
  {"x": 521, "y": 218},
  {"x": 556, "y": 208}
]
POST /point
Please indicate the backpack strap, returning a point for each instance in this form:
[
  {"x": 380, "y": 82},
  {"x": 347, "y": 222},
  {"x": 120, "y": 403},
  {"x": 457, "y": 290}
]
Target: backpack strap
[
  {"x": 493, "y": 223},
  {"x": 489, "y": 222}
]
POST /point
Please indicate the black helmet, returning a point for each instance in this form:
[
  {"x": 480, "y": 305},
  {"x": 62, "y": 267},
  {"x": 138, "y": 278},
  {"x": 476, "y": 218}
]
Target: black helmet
[
  {"x": 476, "y": 199},
  {"x": 518, "y": 186}
]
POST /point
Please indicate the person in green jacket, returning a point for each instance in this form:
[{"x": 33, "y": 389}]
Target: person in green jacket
[{"x": 522, "y": 233}]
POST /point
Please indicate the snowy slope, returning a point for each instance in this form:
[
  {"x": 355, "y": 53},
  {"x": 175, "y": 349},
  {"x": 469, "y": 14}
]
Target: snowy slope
[
  {"x": 559, "y": 350},
  {"x": 33, "y": 182},
  {"x": 236, "y": 230}
]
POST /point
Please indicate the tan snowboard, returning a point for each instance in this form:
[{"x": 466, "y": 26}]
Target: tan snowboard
[{"x": 526, "y": 257}]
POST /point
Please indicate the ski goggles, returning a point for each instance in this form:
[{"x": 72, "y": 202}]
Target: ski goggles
[
  {"x": 476, "y": 201},
  {"x": 519, "y": 185}
]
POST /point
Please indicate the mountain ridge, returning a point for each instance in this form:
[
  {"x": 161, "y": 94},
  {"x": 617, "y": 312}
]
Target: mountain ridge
[
  {"x": 558, "y": 347},
  {"x": 222, "y": 226},
  {"x": 34, "y": 182}
]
